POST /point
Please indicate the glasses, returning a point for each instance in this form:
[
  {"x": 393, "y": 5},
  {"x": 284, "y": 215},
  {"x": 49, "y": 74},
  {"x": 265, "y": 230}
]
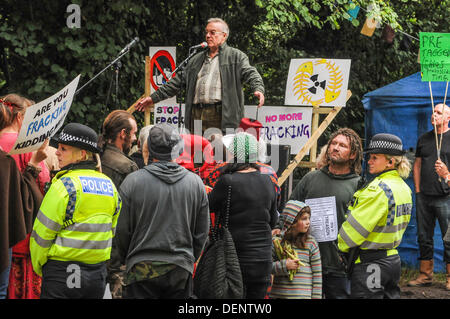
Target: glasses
[{"x": 213, "y": 32}]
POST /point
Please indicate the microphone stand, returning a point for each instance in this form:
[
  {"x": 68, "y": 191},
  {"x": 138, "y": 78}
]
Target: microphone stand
[
  {"x": 181, "y": 67},
  {"x": 106, "y": 68},
  {"x": 117, "y": 67}
]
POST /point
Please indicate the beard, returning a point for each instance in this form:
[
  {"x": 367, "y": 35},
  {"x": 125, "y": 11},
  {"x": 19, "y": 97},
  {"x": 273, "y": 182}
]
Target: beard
[
  {"x": 126, "y": 146},
  {"x": 337, "y": 159}
]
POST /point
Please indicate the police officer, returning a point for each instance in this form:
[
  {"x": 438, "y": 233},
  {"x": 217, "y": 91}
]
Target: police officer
[
  {"x": 72, "y": 234},
  {"x": 377, "y": 218}
]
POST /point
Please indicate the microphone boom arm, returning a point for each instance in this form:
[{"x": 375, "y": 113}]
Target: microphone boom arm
[
  {"x": 184, "y": 63},
  {"x": 107, "y": 67}
]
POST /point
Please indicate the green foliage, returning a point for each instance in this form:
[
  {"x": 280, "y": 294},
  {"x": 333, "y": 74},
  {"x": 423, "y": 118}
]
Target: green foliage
[{"x": 39, "y": 54}]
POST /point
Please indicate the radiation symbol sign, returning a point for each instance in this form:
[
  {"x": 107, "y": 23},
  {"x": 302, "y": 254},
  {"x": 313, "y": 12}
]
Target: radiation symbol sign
[
  {"x": 317, "y": 82},
  {"x": 162, "y": 64}
]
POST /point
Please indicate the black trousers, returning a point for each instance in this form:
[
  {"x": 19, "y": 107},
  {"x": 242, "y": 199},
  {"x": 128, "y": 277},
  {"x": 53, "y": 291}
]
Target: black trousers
[
  {"x": 376, "y": 279},
  {"x": 335, "y": 287},
  {"x": 176, "y": 284},
  {"x": 73, "y": 280}
]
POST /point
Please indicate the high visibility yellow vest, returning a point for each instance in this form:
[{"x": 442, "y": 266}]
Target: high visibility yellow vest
[
  {"x": 76, "y": 220},
  {"x": 378, "y": 215}
]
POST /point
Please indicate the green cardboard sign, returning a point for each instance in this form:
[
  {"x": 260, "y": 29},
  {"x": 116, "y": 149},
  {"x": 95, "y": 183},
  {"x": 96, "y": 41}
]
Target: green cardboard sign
[{"x": 435, "y": 56}]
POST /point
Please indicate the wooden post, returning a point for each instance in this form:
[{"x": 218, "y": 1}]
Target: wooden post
[
  {"x": 314, "y": 126},
  {"x": 147, "y": 90},
  {"x": 311, "y": 141},
  {"x": 131, "y": 109}
]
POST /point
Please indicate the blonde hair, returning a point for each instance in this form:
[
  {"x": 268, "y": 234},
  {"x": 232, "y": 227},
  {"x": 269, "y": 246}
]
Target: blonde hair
[
  {"x": 321, "y": 159},
  {"x": 91, "y": 157},
  {"x": 402, "y": 165}
]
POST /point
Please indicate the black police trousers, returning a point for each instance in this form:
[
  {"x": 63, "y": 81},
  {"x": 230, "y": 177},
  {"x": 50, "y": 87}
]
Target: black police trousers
[
  {"x": 376, "y": 279},
  {"x": 73, "y": 280}
]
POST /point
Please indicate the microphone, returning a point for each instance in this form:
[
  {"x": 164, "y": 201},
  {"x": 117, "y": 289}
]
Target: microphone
[
  {"x": 201, "y": 45},
  {"x": 129, "y": 45}
]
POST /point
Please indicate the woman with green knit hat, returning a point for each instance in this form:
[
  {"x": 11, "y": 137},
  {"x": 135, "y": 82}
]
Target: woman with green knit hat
[{"x": 252, "y": 214}]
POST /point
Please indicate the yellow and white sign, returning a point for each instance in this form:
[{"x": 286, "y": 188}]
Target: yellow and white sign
[{"x": 317, "y": 82}]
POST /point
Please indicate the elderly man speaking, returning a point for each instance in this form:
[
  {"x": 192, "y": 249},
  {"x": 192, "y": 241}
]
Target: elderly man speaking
[{"x": 213, "y": 81}]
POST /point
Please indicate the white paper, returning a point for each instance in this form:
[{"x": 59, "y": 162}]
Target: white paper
[
  {"x": 324, "y": 225},
  {"x": 44, "y": 119}
]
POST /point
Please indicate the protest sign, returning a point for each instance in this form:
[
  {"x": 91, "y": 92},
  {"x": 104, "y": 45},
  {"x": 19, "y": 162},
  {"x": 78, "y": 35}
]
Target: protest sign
[
  {"x": 44, "y": 119},
  {"x": 435, "y": 56},
  {"x": 168, "y": 113},
  {"x": 283, "y": 125},
  {"x": 162, "y": 64},
  {"x": 317, "y": 82}
]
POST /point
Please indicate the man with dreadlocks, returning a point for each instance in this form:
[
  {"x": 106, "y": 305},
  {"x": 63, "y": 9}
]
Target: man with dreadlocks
[{"x": 339, "y": 177}]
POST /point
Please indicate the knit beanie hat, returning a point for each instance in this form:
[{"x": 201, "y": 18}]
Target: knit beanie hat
[
  {"x": 290, "y": 212},
  {"x": 244, "y": 148},
  {"x": 164, "y": 142}
]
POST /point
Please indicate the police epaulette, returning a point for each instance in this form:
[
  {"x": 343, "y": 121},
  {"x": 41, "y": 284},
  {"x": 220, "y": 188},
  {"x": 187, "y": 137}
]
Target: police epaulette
[{"x": 67, "y": 223}]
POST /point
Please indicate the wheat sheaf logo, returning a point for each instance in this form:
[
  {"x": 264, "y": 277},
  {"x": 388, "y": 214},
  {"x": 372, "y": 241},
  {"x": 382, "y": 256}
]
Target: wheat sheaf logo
[{"x": 318, "y": 81}]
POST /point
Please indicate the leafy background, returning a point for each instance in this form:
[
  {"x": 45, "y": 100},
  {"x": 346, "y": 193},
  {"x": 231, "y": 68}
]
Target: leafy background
[{"x": 39, "y": 54}]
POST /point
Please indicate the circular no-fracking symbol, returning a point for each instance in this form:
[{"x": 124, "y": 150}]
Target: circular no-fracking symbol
[{"x": 161, "y": 68}]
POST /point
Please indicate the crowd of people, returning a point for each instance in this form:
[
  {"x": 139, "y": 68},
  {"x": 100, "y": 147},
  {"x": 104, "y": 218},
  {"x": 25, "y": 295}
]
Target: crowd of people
[
  {"x": 142, "y": 230},
  {"x": 83, "y": 211}
]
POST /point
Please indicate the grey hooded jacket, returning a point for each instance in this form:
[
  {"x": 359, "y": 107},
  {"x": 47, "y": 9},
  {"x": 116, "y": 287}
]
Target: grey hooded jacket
[{"x": 164, "y": 216}]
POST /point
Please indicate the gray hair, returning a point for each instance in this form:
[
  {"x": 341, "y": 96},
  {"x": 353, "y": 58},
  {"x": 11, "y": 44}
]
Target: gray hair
[
  {"x": 143, "y": 135},
  {"x": 225, "y": 28}
]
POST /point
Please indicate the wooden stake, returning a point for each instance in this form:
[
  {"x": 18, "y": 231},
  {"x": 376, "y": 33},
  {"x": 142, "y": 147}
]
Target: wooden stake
[
  {"x": 435, "y": 129},
  {"x": 147, "y": 90},
  {"x": 132, "y": 108},
  {"x": 442, "y": 125},
  {"x": 311, "y": 141}
]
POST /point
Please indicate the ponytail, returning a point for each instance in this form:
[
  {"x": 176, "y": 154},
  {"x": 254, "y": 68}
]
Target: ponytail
[
  {"x": 402, "y": 165},
  {"x": 10, "y": 106}
]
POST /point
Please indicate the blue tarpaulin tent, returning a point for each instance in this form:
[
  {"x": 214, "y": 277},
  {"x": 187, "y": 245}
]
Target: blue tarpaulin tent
[{"x": 404, "y": 108}]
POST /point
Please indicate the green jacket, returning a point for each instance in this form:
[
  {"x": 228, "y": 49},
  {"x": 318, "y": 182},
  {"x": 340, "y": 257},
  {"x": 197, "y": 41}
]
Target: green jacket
[
  {"x": 76, "y": 220},
  {"x": 378, "y": 215},
  {"x": 235, "y": 70},
  {"x": 116, "y": 165}
]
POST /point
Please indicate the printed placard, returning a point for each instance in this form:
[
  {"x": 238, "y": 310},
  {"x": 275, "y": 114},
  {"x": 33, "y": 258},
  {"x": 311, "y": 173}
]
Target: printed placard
[
  {"x": 44, "y": 119},
  {"x": 162, "y": 64},
  {"x": 283, "y": 125},
  {"x": 169, "y": 113},
  {"x": 317, "y": 82}
]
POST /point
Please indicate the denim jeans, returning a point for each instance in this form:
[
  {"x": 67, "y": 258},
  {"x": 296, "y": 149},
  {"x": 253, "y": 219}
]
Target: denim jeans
[
  {"x": 428, "y": 210},
  {"x": 4, "y": 278}
]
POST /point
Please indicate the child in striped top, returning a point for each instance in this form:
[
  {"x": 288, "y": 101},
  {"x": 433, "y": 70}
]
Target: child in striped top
[{"x": 297, "y": 267}]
